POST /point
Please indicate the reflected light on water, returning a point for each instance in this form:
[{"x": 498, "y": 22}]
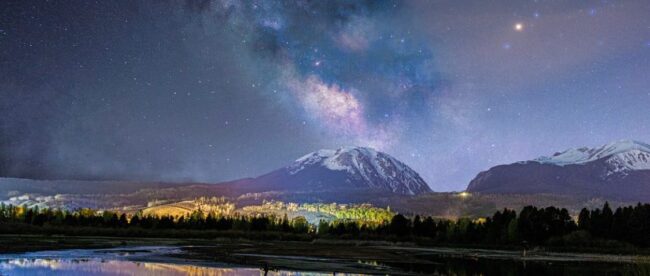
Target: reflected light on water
[{"x": 24, "y": 266}]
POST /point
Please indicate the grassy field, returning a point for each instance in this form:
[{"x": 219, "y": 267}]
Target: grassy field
[
  {"x": 313, "y": 212},
  {"x": 441, "y": 205}
]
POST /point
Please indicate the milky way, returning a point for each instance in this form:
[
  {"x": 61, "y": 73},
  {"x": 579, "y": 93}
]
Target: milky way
[{"x": 217, "y": 90}]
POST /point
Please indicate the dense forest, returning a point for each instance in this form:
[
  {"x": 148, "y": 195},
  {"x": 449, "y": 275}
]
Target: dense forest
[{"x": 626, "y": 226}]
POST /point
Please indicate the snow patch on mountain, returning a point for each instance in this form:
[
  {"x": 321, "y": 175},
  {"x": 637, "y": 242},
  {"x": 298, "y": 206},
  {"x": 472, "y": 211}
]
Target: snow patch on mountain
[
  {"x": 633, "y": 160},
  {"x": 375, "y": 168},
  {"x": 620, "y": 156}
]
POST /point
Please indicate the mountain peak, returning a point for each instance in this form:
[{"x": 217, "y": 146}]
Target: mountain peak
[
  {"x": 366, "y": 165},
  {"x": 325, "y": 153}
]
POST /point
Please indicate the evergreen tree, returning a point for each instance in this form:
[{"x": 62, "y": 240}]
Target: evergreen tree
[
  {"x": 513, "y": 232},
  {"x": 584, "y": 220},
  {"x": 399, "y": 225},
  {"x": 323, "y": 227}
]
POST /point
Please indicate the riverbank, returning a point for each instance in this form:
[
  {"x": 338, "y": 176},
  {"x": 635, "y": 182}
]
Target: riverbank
[{"x": 30, "y": 243}]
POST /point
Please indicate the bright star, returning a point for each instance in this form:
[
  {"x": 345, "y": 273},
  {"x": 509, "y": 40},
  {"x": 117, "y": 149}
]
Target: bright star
[{"x": 519, "y": 27}]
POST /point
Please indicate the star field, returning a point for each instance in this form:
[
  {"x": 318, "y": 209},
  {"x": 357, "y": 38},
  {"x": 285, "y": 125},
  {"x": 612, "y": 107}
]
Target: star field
[{"x": 212, "y": 90}]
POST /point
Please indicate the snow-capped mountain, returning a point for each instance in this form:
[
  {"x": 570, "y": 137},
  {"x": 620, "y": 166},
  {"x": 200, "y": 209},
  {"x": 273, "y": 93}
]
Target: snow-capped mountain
[
  {"x": 621, "y": 156},
  {"x": 341, "y": 169},
  {"x": 365, "y": 165},
  {"x": 619, "y": 170}
]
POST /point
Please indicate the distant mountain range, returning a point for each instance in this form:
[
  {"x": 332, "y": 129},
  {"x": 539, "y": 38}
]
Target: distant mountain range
[{"x": 619, "y": 170}]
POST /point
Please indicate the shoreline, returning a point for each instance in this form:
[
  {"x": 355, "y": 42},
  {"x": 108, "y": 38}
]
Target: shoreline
[
  {"x": 19, "y": 243},
  {"x": 335, "y": 256}
]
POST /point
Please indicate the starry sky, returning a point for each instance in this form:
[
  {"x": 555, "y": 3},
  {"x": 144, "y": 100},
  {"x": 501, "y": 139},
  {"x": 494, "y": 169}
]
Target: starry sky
[{"x": 213, "y": 90}]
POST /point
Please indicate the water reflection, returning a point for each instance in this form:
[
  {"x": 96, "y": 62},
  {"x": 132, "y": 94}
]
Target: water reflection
[
  {"x": 160, "y": 261},
  {"x": 121, "y": 261},
  {"x": 477, "y": 266},
  {"x": 113, "y": 267},
  {"x": 122, "y": 267}
]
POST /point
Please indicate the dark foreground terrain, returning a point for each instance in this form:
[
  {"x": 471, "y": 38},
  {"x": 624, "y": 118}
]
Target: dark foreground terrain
[{"x": 329, "y": 256}]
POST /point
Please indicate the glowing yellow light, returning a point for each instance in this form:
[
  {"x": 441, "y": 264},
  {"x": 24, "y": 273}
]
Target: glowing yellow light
[
  {"x": 519, "y": 27},
  {"x": 464, "y": 194}
]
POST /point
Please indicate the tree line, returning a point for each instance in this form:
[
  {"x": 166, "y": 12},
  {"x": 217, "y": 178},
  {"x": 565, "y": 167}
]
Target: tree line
[
  {"x": 532, "y": 225},
  {"x": 197, "y": 220},
  {"x": 630, "y": 224}
]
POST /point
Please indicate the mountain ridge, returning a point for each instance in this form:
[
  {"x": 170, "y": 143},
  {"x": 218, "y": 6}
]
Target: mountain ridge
[
  {"x": 346, "y": 167},
  {"x": 632, "y": 154},
  {"x": 619, "y": 170}
]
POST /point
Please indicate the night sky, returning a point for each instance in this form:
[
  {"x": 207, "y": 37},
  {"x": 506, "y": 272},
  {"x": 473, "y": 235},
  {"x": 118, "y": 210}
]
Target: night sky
[{"x": 217, "y": 90}]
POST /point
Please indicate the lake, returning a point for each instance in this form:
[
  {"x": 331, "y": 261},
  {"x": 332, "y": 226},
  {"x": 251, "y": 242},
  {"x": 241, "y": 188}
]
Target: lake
[
  {"x": 140, "y": 260},
  {"x": 169, "y": 260}
]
